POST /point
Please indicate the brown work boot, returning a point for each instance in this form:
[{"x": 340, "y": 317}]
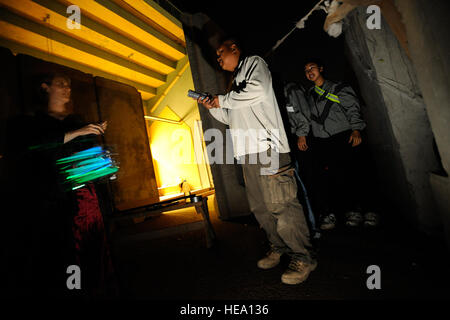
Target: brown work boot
[
  {"x": 271, "y": 260},
  {"x": 297, "y": 272}
]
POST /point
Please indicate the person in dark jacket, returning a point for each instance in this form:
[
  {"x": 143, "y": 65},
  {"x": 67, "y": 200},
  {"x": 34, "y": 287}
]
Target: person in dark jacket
[
  {"x": 329, "y": 113},
  {"x": 61, "y": 227}
]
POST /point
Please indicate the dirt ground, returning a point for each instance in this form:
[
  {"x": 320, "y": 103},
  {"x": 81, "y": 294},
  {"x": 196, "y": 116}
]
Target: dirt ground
[{"x": 179, "y": 267}]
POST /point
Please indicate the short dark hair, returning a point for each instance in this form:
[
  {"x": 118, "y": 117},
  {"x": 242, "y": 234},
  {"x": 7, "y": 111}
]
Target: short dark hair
[
  {"x": 230, "y": 40},
  {"x": 315, "y": 60}
]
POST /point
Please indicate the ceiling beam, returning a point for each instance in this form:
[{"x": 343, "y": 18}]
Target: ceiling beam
[
  {"x": 114, "y": 17},
  {"x": 157, "y": 78},
  {"x": 91, "y": 32},
  {"x": 37, "y": 41},
  {"x": 18, "y": 48},
  {"x": 155, "y": 17}
]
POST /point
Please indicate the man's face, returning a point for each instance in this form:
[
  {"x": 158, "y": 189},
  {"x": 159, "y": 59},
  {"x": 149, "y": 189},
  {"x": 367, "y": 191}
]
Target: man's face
[
  {"x": 228, "y": 56},
  {"x": 312, "y": 71}
]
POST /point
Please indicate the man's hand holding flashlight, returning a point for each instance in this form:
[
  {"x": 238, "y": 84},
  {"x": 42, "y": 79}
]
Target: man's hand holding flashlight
[{"x": 209, "y": 102}]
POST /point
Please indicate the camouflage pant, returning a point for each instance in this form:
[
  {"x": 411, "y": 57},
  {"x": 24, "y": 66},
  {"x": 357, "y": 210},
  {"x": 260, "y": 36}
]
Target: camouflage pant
[{"x": 273, "y": 200}]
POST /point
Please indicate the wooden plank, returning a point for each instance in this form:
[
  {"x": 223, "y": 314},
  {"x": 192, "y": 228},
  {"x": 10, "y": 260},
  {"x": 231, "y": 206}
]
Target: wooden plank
[
  {"x": 95, "y": 34},
  {"x": 394, "y": 19},
  {"x": 121, "y": 106},
  {"x": 154, "y": 17},
  {"x": 201, "y": 207},
  {"x": 30, "y": 34},
  {"x": 154, "y": 211},
  {"x": 121, "y": 21},
  {"x": 18, "y": 48}
]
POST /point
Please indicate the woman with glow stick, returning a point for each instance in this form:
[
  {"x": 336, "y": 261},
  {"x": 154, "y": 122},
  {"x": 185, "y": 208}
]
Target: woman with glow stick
[{"x": 66, "y": 226}]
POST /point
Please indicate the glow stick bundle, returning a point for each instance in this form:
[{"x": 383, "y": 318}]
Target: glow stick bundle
[{"x": 86, "y": 166}]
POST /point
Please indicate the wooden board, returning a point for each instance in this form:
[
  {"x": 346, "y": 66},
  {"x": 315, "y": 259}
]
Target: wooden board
[{"x": 121, "y": 106}]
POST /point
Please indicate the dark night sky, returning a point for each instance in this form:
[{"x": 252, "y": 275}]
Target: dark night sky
[{"x": 259, "y": 25}]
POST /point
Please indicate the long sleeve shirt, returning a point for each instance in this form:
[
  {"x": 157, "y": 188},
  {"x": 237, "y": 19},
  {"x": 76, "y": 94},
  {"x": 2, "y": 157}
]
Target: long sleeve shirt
[
  {"x": 297, "y": 109},
  {"x": 37, "y": 142},
  {"x": 343, "y": 116},
  {"x": 251, "y": 110}
]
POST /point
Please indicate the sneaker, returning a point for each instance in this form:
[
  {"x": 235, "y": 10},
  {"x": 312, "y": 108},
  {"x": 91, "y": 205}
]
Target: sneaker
[
  {"x": 272, "y": 259},
  {"x": 328, "y": 222},
  {"x": 297, "y": 272},
  {"x": 354, "y": 219},
  {"x": 371, "y": 219}
]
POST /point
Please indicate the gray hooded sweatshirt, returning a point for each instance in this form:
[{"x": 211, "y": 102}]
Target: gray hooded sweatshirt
[{"x": 343, "y": 116}]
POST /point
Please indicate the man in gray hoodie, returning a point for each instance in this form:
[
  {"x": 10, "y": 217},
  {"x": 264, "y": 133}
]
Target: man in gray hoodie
[
  {"x": 331, "y": 112},
  {"x": 251, "y": 111}
]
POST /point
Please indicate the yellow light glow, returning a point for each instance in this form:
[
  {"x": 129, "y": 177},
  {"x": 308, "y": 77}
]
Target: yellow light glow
[{"x": 173, "y": 154}]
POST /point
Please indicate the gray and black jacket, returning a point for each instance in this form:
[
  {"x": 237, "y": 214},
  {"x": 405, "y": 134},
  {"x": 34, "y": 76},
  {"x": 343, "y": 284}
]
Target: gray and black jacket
[{"x": 306, "y": 109}]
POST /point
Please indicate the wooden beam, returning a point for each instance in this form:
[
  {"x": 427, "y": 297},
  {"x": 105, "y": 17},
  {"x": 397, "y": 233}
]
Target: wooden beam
[
  {"x": 18, "y": 48},
  {"x": 91, "y": 32},
  {"x": 36, "y": 41},
  {"x": 153, "y": 78},
  {"x": 123, "y": 22},
  {"x": 147, "y": 12},
  {"x": 394, "y": 20}
]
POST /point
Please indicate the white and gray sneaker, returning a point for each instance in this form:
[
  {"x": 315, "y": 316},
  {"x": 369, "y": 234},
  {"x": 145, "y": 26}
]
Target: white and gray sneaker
[
  {"x": 297, "y": 272},
  {"x": 371, "y": 219},
  {"x": 328, "y": 222},
  {"x": 354, "y": 218},
  {"x": 271, "y": 260}
]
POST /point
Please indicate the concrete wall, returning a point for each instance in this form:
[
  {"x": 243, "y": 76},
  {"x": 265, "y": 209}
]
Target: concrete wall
[
  {"x": 427, "y": 26},
  {"x": 398, "y": 127}
]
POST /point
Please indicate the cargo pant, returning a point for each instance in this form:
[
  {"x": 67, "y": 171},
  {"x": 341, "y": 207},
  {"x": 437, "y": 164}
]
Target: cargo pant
[{"x": 273, "y": 200}]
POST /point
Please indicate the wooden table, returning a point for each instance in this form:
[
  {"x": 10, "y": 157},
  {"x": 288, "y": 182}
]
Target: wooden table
[{"x": 201, "y": 207}]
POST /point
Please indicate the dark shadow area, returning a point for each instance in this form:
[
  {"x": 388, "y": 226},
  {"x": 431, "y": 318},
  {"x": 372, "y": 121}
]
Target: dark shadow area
[{"x": 180, "y": 267}]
